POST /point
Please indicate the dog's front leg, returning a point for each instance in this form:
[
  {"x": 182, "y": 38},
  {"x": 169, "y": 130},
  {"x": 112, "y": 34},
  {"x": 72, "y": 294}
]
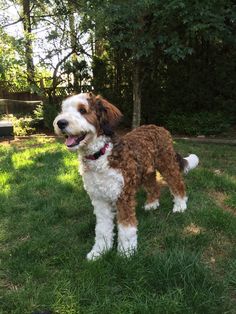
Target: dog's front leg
[{"x": 104, "y": 228}]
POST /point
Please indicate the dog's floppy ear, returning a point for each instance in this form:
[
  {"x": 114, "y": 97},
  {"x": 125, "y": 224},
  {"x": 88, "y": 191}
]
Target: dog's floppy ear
[{"x": 108, "y": 115}]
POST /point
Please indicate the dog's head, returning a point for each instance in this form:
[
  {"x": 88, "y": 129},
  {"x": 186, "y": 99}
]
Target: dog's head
[{"x": 84, "y": 117}]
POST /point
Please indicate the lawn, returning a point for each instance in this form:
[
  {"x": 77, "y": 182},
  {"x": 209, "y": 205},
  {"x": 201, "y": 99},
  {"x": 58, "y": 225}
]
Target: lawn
[{"x": 186, "y": 263}]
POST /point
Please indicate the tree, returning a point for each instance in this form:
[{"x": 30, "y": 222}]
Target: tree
[
  {"x": 59, "y": 23},
  {"x": 172, "y": 30},
  {"x": 26, "y": 18},
  {"x": 12, "y": 67},
  {"x": 168, "y": 56},
  {"x": 122, "y": 26},
  {"x": 65, "y": 42}
]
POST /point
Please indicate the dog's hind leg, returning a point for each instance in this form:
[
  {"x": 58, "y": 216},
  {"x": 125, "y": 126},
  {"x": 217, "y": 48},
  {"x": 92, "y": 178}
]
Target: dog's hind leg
[
  {"x": 127, "y": 222},
  {"x": 152, "y": 188},
  {"x": 172, "y": 175},
  {"x": 104, "y": 235}
]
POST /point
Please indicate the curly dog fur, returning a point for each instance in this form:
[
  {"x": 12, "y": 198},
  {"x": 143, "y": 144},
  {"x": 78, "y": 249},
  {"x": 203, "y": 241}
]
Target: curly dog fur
[{"x": 114, "y": 168}]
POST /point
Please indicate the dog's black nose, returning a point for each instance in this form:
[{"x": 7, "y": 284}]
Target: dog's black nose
[{"x": 62, "y": 124}]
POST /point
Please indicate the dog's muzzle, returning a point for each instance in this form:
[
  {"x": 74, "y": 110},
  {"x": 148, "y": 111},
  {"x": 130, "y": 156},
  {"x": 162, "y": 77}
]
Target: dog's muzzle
[{"x": 62, "y": 124}]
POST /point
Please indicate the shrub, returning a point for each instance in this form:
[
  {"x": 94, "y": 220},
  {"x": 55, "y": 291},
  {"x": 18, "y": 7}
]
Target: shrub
[
  {"x": 22, "y": 125},
  {"x": 202, "y": 123},
  {"x": 50, "y": 111},
  {"x": 41, "y": 118}
]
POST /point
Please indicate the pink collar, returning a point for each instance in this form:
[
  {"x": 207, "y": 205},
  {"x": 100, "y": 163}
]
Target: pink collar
[{"x": 98, "y": 154}]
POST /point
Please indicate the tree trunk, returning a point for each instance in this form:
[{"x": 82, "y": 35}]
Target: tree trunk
[
  {"x": 136, "y": 96},
  {"x": 28, "y": 41},
  {"x": 92, "y": 43},
  {"x": 74, "y": 46},
  {"x": 118, "y": 76}
]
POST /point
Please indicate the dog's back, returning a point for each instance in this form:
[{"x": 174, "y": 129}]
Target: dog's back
[{"x": 150, "y": 146}]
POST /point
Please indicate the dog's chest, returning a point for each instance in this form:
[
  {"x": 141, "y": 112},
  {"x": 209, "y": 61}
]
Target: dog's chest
[{"x": 101, "y": 181}]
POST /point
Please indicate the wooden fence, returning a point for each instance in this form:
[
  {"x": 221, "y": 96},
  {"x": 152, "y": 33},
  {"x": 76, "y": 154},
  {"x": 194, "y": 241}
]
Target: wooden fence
[
  {"x": 18, "y": 106},
  {"x": 15, "y": 101}
]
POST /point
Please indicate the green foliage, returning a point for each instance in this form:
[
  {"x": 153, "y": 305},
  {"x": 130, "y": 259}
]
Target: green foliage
[
  {"x": 101, "y": 72},
  {"x": 186, "y": 50},
  {"x": 38, "y": 112},
  {"x": 202, "y": 123},
  {"x": 50, "y": 111},
  {"x": 41, "y": 118},
  {"x": 171, "y": 26},
  {"x": 22, "y": 125},
  {"x": 12, "y": 67}
]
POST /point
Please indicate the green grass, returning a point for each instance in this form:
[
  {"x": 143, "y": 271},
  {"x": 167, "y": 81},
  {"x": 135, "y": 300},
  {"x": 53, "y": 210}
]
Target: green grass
[{"x": 185, "y": 262}]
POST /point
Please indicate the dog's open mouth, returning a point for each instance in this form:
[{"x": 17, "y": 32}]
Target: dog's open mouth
[{"x": 72, "y": 140}]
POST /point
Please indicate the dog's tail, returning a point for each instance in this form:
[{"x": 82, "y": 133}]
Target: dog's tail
[{"x": 188, "y": 163}]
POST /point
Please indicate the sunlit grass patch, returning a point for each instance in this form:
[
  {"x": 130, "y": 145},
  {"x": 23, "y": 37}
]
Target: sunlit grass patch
[
  {"x": 5, "y": 186},
  {"x": 71, "y": 161},
  {"x": 22, "y": 159}
]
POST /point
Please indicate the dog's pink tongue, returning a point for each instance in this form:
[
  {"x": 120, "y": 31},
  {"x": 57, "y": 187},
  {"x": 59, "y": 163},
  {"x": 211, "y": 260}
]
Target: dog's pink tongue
[{"x": 71, "y": 140}]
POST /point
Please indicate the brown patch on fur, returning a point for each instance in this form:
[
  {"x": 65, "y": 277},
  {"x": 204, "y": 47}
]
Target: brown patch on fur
[
  {"x": 108, "y": 116},
  {"x": 152, "y": 188},
  {"x": 91, "y": 117},
  {"x": 138, "y": 155},
  {"x": 181, "y": 161},
  {"x": 113, "y": 114},
  {"x": 82, "y": 107},
  {"x": 89, "y": 114},
  {"x": 126, "y": 207}
]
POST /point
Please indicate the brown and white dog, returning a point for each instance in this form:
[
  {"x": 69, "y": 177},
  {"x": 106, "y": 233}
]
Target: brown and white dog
[{"x": 114, "y": 168}]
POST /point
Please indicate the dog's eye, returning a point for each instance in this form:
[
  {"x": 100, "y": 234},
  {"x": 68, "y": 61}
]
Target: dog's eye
[{"x": 82, "y": 110}]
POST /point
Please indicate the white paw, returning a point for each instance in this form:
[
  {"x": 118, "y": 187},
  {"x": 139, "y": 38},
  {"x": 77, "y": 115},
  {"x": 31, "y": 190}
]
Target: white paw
[
  {"x": 94, "y": 254},
  {"x": 180, "y": 204},
  {"x": 127, "y": 240},
  {"x": 152, "y": 206},
  {"x": 127, "y": 251}
]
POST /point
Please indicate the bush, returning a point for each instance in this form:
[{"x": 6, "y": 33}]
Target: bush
[
  {"x": 49, "y": 113},
  {"x": 38, "y": 117},
  {"x": 41, "y": 118},
  {"x": 202, "y": 123},
  {"x": 22, "y": 125}
]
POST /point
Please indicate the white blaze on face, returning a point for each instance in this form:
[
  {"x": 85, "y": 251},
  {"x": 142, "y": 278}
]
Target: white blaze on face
[{"x": 78, "y": 129}]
